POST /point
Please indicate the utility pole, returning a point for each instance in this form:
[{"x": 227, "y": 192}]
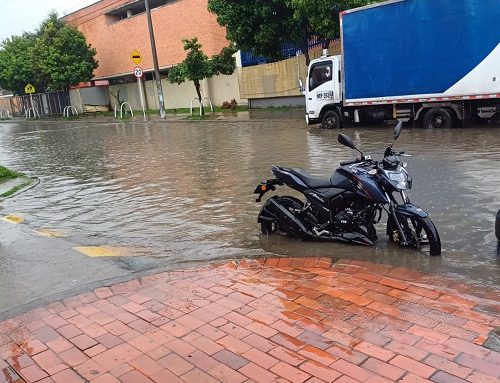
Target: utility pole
[{"x": 155, "y": 61}]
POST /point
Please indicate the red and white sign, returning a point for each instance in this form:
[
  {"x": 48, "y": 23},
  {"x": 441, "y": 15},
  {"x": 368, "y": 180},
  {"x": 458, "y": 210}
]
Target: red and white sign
[{"x": 138, "y": 72}]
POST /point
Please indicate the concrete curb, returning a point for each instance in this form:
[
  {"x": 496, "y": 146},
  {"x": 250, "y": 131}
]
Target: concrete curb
[{"x": 9, "y": 185}]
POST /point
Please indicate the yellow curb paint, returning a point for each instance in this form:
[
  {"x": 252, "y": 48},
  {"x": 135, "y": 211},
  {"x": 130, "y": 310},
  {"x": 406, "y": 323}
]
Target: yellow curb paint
[
  {"x": 103, "y": 251},
  {"x": 14, "y": 219},
  {"x": 50, "y": 233}
]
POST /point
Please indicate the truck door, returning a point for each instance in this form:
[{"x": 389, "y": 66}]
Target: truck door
[{"x": 323, "y": 87}]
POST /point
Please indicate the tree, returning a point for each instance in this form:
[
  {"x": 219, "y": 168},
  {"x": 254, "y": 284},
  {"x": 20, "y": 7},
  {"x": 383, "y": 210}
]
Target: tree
[
  {"x": 62, "y": 55},
  {"x": 55, "y": 57},
  {"x": 264, "y": 26},
  {"x": 261, "y": 26},
  {"x": 197, "y": 66},
  {"x": 16, "y": 64}
]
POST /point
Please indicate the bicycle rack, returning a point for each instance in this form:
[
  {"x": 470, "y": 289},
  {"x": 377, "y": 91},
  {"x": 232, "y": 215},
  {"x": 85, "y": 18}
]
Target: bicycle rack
[
  {"x": 69, "y": 109},
  {"x": 30, "y": 111},
  {"x": 4, "y": 114},
  {"x": 125, "y": 104},
  {"x": 201, "y": 103}
]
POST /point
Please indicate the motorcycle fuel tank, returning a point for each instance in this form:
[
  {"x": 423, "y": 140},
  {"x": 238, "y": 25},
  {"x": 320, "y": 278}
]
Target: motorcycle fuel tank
[{"x": 362, "y": 184}]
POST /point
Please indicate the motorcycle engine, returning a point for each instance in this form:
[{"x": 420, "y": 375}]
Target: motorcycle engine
[{"x": 345, "y": 221}]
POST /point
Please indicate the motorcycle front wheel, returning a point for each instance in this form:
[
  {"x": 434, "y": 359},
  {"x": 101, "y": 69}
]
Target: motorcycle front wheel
[{"x": 421, "y": 233}]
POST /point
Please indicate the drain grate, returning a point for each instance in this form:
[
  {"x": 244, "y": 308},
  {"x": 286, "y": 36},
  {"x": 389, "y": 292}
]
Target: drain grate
[{"x": 493, "y": 341}]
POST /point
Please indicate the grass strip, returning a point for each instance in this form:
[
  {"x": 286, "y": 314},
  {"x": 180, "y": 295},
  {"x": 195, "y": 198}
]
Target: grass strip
[{"x": 7, "y": 174}]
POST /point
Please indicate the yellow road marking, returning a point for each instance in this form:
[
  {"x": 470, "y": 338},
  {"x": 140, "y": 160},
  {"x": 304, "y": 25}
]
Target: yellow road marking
[
  {"x": 14, "y": 219},
  {"x": 50, "y": 233},
  {"x": 104, "y": 251}
]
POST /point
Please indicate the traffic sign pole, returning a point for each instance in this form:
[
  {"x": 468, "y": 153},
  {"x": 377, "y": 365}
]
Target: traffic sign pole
[
  {"x": 141, "y": 94},
  {"x": 138, "y": 72},
  {"x": 30, "y": 89}
]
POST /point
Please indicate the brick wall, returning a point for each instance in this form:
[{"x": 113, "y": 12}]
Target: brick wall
[{"x": 115, "y": 41}]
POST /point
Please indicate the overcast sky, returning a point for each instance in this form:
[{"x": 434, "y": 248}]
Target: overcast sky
[{"x": 17, "y": 16}]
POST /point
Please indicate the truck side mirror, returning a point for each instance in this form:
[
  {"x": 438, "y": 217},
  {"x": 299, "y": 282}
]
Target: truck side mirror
[{"x": 301, "y": 85}]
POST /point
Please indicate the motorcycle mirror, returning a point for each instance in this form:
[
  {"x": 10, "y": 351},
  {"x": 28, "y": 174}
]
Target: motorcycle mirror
[
  {"x": 397, "y": 130},
  {"x": 346, "y": 141}
]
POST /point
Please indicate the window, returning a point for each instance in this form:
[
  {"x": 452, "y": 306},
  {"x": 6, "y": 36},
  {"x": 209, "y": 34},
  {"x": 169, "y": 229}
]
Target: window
[
  {"x": 320, "y": 73},
  {"x": 132, "y": 9}
]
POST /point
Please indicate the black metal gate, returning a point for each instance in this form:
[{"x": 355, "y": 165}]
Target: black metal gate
[{"x": 47, "y": 104}]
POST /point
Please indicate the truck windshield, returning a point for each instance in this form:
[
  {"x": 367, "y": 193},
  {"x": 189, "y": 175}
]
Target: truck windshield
[{"x": 320, "y": 73}]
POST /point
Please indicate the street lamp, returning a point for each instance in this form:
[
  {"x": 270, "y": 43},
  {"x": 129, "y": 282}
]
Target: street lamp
[{"x": 155, "y": 61}]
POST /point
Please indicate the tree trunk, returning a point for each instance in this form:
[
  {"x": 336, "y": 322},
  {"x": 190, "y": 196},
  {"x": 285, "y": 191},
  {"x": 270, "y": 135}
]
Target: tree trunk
[
  {"x": 306, "y": 54},
  {"x": 198, "y": 92},
  {"x": 326, "y": 43},
  {"x": 305, "y": 49}
]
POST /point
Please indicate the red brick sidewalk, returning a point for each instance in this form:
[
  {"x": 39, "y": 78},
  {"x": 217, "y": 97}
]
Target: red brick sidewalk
[{"x": 275, "y": 320}]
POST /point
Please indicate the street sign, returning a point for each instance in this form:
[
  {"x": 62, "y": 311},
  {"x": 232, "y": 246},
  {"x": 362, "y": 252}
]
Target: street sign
[
  {"x": 138, "y": 72},
  {"x": 136, "y": 57},
  {"x": 29, "y": 88}
]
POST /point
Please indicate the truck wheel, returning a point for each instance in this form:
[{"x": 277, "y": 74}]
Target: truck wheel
[
  {"x": 331, "y": 120},
  {"x": 438, "y": 118}
]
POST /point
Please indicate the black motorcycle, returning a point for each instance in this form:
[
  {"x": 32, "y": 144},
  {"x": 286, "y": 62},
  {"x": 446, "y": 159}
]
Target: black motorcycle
[{"x": 346, "y": 206}]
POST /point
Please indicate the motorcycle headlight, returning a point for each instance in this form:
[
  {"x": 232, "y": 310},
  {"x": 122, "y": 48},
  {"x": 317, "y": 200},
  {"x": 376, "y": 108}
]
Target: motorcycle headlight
[{"x": 400, "y": 179}]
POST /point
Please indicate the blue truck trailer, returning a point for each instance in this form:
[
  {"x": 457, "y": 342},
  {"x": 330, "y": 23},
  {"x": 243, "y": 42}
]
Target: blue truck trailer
[{"x": 434, "y": 62}]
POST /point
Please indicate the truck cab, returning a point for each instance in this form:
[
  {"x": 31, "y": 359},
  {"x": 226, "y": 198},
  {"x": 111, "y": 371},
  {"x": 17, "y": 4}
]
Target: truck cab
[{"x": 323, "y": 90}]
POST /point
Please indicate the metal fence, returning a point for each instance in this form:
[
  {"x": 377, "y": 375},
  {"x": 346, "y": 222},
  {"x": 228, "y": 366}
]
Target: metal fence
[
  {"x": 289, "y": 50},
  {"x": 47, "y": 104}
]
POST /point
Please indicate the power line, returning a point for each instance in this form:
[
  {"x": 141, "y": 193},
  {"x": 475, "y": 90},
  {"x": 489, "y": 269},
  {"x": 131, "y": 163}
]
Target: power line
[
  {"x": 24, "y": 29},
  {"x": 79, "y": 6},
  {"x": 94, "y": 11},
  {"x": 5, "y": 3}
]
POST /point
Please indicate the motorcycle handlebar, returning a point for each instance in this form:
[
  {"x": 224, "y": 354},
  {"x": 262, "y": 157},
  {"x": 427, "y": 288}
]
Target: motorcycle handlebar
[
  {"x": 364, "y": 160},
  {"x": 345, "y": 163}
]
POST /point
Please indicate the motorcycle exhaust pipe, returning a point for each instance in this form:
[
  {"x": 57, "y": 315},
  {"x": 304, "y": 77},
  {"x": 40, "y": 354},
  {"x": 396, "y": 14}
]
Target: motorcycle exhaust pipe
[{"x": 273, "y": 209}]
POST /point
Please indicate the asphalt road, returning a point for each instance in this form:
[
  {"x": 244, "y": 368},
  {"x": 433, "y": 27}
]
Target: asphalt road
[{"x": 117, "y": 201}]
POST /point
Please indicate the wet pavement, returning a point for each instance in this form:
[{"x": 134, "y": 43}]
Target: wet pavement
[
  {"x": 179, "y": 195},
  {"x": 272, "y": 320}
]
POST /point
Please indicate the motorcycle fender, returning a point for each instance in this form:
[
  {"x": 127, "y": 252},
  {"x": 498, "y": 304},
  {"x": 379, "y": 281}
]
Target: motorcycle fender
[
  {"x": 274, "y": 211},
  {"x": 409, "y": 210}
]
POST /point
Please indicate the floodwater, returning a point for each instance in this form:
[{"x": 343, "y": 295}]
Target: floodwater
[{"x": 182, "y": 192}]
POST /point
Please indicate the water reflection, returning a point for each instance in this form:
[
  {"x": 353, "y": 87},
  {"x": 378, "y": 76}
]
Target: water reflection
[{"x": 184, "y": 190}]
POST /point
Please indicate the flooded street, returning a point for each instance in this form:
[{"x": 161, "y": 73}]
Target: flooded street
[{"x": 182, "y": 193}]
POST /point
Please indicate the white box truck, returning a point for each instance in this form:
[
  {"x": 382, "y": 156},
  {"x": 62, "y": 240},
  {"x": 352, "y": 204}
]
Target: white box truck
[{"x": 436, "y": 62}]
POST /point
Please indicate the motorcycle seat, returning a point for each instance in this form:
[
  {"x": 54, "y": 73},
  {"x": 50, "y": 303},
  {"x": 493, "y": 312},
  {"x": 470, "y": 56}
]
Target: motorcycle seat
[{"x": 311, "y": 181}]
